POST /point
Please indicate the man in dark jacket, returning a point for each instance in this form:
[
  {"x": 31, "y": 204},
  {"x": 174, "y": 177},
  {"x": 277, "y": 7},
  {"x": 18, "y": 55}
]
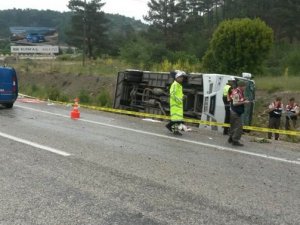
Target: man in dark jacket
[
  {"x": 292, "y": 111},
  {"x": 275, "y": 111}
]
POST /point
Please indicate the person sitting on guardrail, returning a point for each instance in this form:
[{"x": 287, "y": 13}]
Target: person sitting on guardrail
[
  {"x": 275, "y": 111},
  {"x": 292, "y": 111},
  {"x": 176, "y": 102},
  {"x": 236, "y": 110}
]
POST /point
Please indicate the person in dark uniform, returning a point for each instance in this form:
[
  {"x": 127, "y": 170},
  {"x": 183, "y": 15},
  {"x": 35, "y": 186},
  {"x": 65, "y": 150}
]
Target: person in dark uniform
[
  {"x": 292, "y": 111},
  {"x": 275, "y": 111},
  {"x": 236, "y": 110},
  {"x": 227, "y": 99}
]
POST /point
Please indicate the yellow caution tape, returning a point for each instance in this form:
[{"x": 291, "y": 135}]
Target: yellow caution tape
[{"x": 195, "y": 121}]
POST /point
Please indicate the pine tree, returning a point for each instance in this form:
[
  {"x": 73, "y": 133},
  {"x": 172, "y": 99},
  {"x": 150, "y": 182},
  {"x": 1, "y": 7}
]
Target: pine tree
[
  {"x": 163, "y": 15},
  {"x": 89, "y": 23}
]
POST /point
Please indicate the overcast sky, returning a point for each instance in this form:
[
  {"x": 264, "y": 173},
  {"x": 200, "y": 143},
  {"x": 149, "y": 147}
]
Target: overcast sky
[{"x": 130, "y": 8}]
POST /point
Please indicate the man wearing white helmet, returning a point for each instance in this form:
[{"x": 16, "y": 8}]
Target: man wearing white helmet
[{"x": 176, "y": 102}]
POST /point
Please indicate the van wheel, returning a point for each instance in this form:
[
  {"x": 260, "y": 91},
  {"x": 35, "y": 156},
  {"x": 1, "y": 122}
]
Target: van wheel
[{"x": 9, "y": 105}]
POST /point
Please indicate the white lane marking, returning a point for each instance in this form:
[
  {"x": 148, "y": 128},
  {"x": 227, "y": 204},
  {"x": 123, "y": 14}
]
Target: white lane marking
[
  {"x": 43, "y": 147},
  {"x": 174, "y": 138}
]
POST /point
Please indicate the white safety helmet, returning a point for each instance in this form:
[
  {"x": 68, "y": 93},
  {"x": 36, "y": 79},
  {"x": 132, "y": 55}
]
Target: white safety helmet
[
  {"x": 247, "y": 75},
  {"x": 179, "y": 73}
]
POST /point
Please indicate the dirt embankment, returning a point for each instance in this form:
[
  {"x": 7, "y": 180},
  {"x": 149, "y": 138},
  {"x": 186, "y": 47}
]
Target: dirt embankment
[{"x": 69, "y": 84}]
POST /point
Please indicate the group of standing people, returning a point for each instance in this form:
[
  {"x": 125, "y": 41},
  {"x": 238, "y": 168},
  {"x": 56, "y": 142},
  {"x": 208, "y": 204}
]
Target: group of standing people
[
  {"x": 276, "y": 109},
  {"x": 234, "y": 102}
]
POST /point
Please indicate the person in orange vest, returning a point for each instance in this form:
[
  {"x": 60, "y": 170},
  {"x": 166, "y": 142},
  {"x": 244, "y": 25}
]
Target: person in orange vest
[
  {"x": 236, "y": 111},
  {"x": 275, "y": 111},
  {"x": 292, "y": 111}
]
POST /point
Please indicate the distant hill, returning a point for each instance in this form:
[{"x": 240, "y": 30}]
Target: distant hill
[
  {"x": 117, "y": 22},
  {"x": 59, "y": 20}
]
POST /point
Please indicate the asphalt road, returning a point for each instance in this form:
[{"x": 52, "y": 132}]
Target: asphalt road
[{"x": 120, "y": 170}]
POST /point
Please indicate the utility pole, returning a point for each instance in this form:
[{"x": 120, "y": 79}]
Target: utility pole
[{"x": 84, "y": 34}]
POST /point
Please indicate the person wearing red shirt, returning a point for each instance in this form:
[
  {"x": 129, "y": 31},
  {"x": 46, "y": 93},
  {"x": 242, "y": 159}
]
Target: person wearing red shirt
[
  {"x": 292, "y": 111},
  {"x": 275, "y": 111},
  {"x": 237, "y": 109}
]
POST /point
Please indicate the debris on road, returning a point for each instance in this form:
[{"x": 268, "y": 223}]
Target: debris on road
[
  {"x": 151, "y": 120},
  {"x": 260, "y": 140}
]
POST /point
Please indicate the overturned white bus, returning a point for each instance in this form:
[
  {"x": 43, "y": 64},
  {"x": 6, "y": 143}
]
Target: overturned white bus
[{"x": 148, "y": 92}]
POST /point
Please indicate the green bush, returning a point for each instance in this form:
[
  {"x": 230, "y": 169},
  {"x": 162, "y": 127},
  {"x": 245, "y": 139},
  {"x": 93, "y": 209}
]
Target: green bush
[
  {"x": 238, "y": 45},
  {"x": 184, "y": 65},
  {"x": 183, "y": 56},
  {"x": 104, "y": 99},
  {"x": 63, "y": 98},
  {"x": 142, "y": 54},
  {"x": 84, "y": 97},
  {"x": 64, "y": 57},
  {"x": 36, "y": 91},
  {"x": 34, "y": 88},
  {"x": 292, "y": 62},
  {"x": 4, "y": 47},
  {"x": 53, "y": 94}
]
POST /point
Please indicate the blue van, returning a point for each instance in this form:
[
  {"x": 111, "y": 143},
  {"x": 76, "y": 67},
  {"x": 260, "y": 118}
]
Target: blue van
[{"x": 8, "y": 86}]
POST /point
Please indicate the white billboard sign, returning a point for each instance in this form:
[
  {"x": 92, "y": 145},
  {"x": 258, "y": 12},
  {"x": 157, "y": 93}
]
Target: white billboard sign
[{"x": 46, "y": 49}]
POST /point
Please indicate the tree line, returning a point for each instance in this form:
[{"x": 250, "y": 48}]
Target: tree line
[
  {"x": 183, "y": 30},
  {"x": 175, "y": 17},
  {"x": 176, "y": 30},
  {"x": 118, "y": 28}
]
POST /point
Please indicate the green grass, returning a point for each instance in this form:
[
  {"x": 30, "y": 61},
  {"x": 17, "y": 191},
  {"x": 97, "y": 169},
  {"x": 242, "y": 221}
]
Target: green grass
[
  {"x": 106, "y": 66},
  {"x": 275, "y": 84},
  {"x": 66, "y": 64},
  {"x": 110, "y": 67}
]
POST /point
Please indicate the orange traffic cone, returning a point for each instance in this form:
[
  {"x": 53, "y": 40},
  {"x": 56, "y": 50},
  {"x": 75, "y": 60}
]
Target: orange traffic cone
[{"x": 75, "y": 114}]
